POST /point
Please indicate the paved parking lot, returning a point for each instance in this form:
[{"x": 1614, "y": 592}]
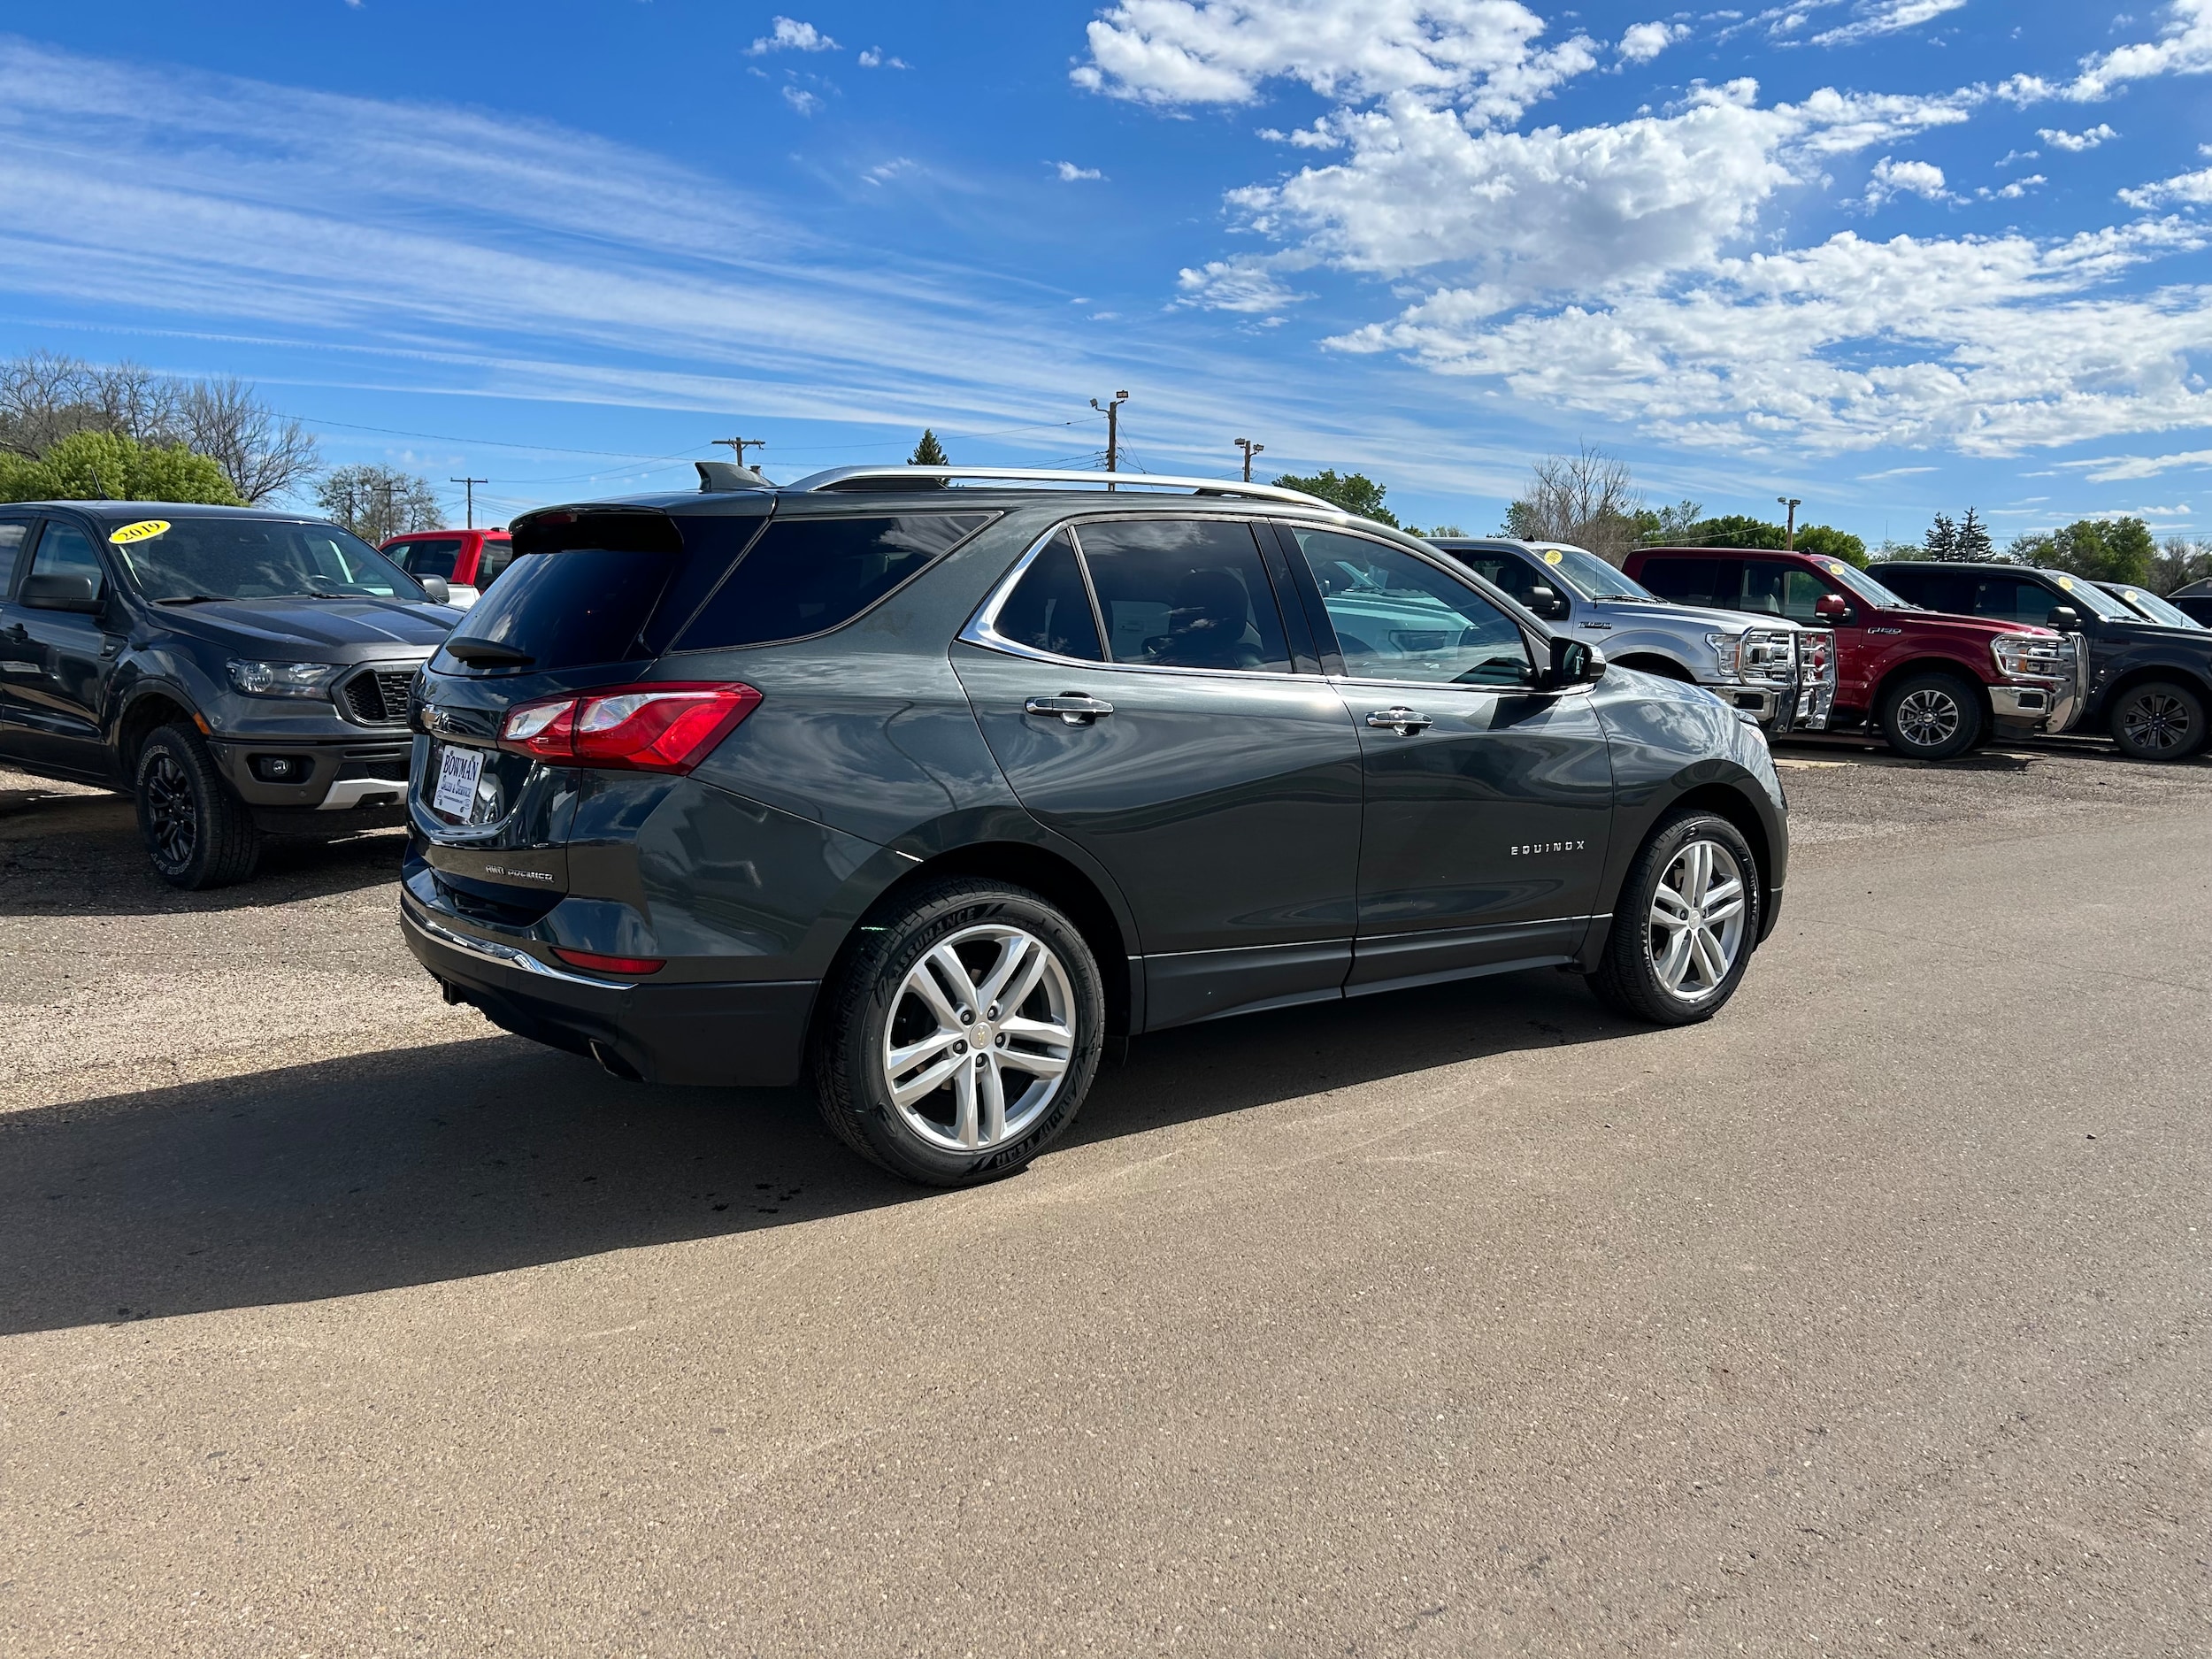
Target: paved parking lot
[{"x": 1870, "y": 1317}]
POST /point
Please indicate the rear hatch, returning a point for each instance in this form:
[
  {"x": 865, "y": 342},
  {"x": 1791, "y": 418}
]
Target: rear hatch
[{"x": 592, "y": 600}]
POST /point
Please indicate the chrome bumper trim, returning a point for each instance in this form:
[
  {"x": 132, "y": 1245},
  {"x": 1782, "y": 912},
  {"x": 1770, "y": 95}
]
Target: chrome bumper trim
[
  {"x": 349, "y": 793},
  {"x": 506, "y": 955}
]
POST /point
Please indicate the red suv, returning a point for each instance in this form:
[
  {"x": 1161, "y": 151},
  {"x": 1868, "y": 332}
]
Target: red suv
[
  {"x": 467, "y": 560},
  {"x": 1934, "y": 685}
]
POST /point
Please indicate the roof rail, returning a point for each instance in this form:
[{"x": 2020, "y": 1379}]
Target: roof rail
[{"x": 837, "y": 477}]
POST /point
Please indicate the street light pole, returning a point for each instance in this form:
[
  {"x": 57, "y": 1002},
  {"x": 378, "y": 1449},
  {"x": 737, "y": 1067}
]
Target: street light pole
[
  {"x": 1250, "y": 449},
  {"x": 1789, "y": 534},
  {"x": 1111, "y": 409}
]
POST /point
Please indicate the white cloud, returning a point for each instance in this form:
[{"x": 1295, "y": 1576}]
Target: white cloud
[
  {"x": 1640, "y": 43},
  {"x": 2075, "y": 143},
  {"x": 2112, "y": 468},
  {"x": 1988, "y": 345},
  {"x": 873, "y": 58},
  {"x": 1885, "y": 17},
  {"x": 2193, "y": 187},
  {"x": 1480, "y": 55},
  {"x": 2184, "y": 48},
  {"x": 1070, "y": 174},
  {"x": 1246, "y": 285},
  {"x": 789, "y": 35},
  {"x": 2014, "y": 191},
  {"x": 802, "y": 100},
  {"x": 1922, "y": 179}
]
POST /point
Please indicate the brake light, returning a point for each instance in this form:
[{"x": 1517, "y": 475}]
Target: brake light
[
  {"x": 598, "y": 964},
  {"x": 666, "y": 726}
]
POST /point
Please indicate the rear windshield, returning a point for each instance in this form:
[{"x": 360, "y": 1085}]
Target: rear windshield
[
  {"x": 587, "y": 588},
  {"x": 805, "y": 576}
]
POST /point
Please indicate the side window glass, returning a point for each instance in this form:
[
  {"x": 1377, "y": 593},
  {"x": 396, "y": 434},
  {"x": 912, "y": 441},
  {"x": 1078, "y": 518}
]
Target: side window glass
[
  {"x": 431, "y": 558},
  {"x": 2007, "y": 600},
  {"x": 1762, "y": 588},
  {"x": 1049, "y": 609},
  {"x": 1690, "y": 581},
  {"x": 63, "y": 552},
  {"x": 808, "y": 575},
  {"x": 1504, "y": 571},
  {"x": 1801, "y": 590},
  {"x": 11, "y": 548},
  {"x": 495, "y": 557},
  {"x": 1185, "y": 594},
  {"x": 1397, "y": 617}
]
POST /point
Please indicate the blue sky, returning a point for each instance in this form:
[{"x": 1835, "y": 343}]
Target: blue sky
[{"x": 1889, "y": 256}]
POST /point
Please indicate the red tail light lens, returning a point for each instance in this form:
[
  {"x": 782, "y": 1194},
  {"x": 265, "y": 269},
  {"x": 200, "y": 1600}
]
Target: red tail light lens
[
  {"x": 664, "y": 726},
  {"x": 597, "y": 964}
]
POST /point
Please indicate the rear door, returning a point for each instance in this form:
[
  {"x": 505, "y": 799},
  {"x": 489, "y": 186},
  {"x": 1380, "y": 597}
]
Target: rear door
[
  {"x": 1136, "y": 683},
  {"x": 1489, "y": 802},
  {"x": 17, "y": 665},
  {"x": 60, "y": 661}
]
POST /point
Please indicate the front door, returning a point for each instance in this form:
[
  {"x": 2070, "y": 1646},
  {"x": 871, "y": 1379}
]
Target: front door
[
  {"x": 1153, "y": 715},
  {"x": 58, "y": 662},
  {"x": 16, "y": 664},
  {"x": 1489, "y": 801}
]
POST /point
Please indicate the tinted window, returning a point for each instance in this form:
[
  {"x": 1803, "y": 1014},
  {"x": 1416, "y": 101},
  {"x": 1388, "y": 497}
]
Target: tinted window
[
  {"x": 1185, "y": 593},
  {"x": 2008, "y": 599},
  {"x": 11, "y": 544},
  {"x": 495, "y": 557},
  {"x": 1935, "y": 590},
  {"x": 806, "y": 575},
  {"x": 63, "y": 552},
  {"x": 1049, "y": 609},
  {"x": 1397, "y": 617},
  {"x": 573, "y": 609},
  {"x": 1500, "y": 570},
  {"x": 429, "y": 558},
  {"x": 1694, "y": 582}
]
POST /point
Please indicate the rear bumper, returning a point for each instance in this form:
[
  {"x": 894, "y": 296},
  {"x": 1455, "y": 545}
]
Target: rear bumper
[{"x": 743, "y": 1034}]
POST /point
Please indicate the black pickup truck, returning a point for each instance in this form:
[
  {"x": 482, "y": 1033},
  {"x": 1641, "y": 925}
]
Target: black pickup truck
[{"x": 2149, "y": 685}]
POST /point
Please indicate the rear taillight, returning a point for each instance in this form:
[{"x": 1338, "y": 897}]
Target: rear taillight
[{"x": 667, "y": 725}]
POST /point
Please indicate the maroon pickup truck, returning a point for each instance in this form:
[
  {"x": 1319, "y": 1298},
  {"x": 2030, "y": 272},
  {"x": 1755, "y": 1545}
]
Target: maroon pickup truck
[{"x": 1934, "y": 685}]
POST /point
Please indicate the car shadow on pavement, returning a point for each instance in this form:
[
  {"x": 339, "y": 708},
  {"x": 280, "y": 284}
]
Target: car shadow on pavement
[
  {"x": 421, "y": 1165},
  {"x": 77, "y": 853}
]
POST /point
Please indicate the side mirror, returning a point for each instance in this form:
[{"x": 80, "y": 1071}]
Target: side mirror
[
  {"x": 440, "y": 591},
  {"x": 1548, "y": 603},
  {"x": 1832, "y": 608},
  {"x": 60, "y": 593},
  {"x": 1573, "y": 662},
  {"x": 2065, "y": 619}
]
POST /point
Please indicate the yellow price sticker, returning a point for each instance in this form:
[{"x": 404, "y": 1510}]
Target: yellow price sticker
[
  {"x": 144, "y": 530},
  {"x": 1553, "y": 556},
  {"x": 2066, "y": 584}
]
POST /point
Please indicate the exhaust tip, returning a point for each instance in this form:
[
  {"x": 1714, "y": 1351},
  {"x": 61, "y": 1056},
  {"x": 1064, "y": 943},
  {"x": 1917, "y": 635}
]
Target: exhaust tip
[{"x": 613, "y": 1064}]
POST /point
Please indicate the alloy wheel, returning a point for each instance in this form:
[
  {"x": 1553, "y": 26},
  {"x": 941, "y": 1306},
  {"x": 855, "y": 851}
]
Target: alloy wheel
[
  {"x": 979, "y": 1039},
  {"x": 2158, "y": 722},
  {"x": 1928, "y": 718},
  {"x": 1698, "y": 912},
  {"x": 170, "y": 810}
]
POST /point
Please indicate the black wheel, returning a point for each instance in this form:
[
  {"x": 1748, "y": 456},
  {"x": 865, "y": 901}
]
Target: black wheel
[
  {"x": 2158, "y": 721},
  {"x": 1932, "y": 715},
  {"x": 1684, "y": 923},
  {"x": 961, "y": 1035},
  {"x": 197, "y": 834}
]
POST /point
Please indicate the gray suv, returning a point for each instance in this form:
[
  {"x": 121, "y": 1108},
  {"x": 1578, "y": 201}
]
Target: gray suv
[
  {"x": 926, "y": 791},
  {"x": 1781, "y": 673}
]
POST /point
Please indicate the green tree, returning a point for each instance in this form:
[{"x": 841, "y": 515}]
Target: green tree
[
  {"x": 2103, "y": 550},
  {"x": 1736, "y": 530},
  {"x": 1942, "y": 540},
  {"x": 928, "y": 452},
  {"x": 1974, "y": 543},
  {"x": 2179, "y": 563},
  {"x": 1831, "y": 544},
  {"x": 1356, "y": 493},
  {"x": 89, "y": 466}
]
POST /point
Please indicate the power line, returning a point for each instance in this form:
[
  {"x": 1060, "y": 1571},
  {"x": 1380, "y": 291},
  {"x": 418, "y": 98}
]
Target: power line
[{"x": 471, "y": 484}]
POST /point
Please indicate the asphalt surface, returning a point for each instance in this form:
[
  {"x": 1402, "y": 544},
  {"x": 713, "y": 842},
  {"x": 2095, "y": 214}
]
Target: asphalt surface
[{"x": 1870, "y": 1317}]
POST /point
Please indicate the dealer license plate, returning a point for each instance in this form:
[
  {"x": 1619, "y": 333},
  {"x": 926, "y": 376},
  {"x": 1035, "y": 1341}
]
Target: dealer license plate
[{"x": 458, "y": 769}]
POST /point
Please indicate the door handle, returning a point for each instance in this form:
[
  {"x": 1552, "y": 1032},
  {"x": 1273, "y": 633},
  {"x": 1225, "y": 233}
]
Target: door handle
[
  {"x": 1403, "y": 721},
  {"x": 1072, "y": 707}
]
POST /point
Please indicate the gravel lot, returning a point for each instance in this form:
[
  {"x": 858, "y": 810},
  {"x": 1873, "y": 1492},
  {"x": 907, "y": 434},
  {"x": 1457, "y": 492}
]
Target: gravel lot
[{"x": 1871, "y": 1317}]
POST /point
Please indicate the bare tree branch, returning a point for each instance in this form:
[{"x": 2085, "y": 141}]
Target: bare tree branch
[{"x": 262, "y": 454}]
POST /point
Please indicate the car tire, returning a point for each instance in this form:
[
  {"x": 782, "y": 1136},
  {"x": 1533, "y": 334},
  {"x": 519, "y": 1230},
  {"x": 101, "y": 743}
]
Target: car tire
[
  {"x": 905, "y": 1080},
  {"x": 1932, "y": 715},
  {"x": 197, "y": 834},
  {"x": 1676, "y": 955},
  {"x": 2159, "y": 720}
]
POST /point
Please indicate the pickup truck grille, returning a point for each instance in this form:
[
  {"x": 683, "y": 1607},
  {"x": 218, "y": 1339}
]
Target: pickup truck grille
[{"x": 377, "y": 696}]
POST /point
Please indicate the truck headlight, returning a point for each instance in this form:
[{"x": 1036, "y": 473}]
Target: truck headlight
[
  {"x": 1764, "y": 656},
  {"x": 282, "y": 680},
  {"x": 2032, "y": 656}
]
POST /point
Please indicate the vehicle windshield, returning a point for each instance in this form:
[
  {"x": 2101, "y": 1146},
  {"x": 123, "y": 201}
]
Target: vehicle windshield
[
  {"x": 1865, "y": 586},
  {"x": 2158, "y": 610},
  {"x": 1590, "y": 576},
  {"x": 2087, "y": 595},
  {"x": 256, "y": 558}
]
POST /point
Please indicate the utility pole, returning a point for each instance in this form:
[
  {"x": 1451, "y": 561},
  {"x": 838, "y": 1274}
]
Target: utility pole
[
  {"x": 742, "y": 444},
  {"x": 389, "y": 528},
  {"x": 470, "y": 483},
  {"x": 1111, "y": 409},
  {"x": 1789, "y": 535},
  {"x": 1250, "y": 449}
]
